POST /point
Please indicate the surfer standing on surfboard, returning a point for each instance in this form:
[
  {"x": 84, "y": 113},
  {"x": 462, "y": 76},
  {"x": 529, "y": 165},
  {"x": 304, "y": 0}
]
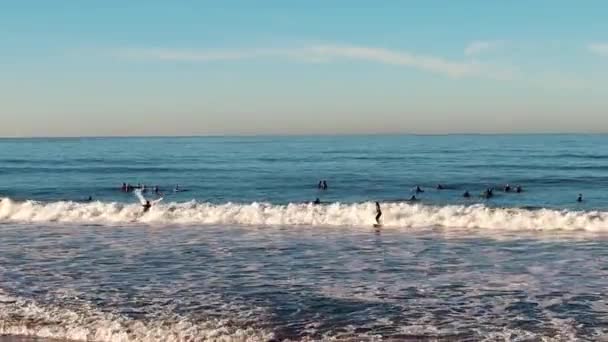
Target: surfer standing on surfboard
[{"x": 378, "y": 213}]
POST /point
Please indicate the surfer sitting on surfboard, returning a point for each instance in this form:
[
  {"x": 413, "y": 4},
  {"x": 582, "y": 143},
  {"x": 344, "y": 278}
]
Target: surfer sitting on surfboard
[{"x": 378, "y": 213}]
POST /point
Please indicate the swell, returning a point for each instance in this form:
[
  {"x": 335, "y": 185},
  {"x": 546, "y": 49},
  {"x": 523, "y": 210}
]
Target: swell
[{"x": 395, "y": 215}]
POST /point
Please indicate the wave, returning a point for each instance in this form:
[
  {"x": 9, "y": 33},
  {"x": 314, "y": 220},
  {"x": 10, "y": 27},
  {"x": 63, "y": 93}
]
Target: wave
[
  {"x": 21, "y": 317},
  {"x": 395, "y": 215}
]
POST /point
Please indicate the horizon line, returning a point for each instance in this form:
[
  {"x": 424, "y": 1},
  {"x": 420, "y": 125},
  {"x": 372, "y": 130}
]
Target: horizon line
[{"x": 261, "y": 135}]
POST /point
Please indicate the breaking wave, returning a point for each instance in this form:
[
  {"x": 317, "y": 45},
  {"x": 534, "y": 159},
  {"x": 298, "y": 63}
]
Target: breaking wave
[
  {"x": 396, "y": 215},
  {"x": 20, "y": 317}
]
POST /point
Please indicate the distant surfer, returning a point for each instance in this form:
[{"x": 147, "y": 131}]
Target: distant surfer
[
  {"x": 507, "y": 188},
  {"x": 156, "y": 189},
  {"x": 146, "y": 204},
  {"x": 466, "y": 194},
  {"x": 488, "y": 193},
  {"x": 378, "y": 214},
  {"x": 320, "y": 185},
  {"x": 124, "y": 187},
  {"x": 317, "y": 201},
  {"x": 324, "y": 185},
  {"x": 440, "y": 187},
  {"x": 413, "y": 198},
  {"x": 518, "y": 189},
  {"x": 580, "y": 198},
  {"x": 418, "y": 189}
]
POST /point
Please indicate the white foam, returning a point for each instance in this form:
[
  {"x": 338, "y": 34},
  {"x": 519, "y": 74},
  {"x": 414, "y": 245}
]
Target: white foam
[
  {"x": 395, "y": 215},
  {"x": 27, "y": 318}
]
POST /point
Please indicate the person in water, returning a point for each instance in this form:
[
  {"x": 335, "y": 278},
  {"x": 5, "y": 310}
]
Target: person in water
[
  {"x": 440, "y": 187},
  {"x": 413, "y": 198},
  {"x": 487, "y": 193},
  {"x": 418, "y": 189},
  {"x": 317, "y": 201},
  {"x": 324, "y": 185},
  {"x": 466, "y": 194},
  {"x": 378, "y": 213},
  {"x": 156, "y": 189},
  {"x": 580, "y": 198},
  {"x": 507, "y": 188},
  {"x": 147, "y": 206},
  {"x": 518, "y": 189},
  {"x": 320, "y": 185}
]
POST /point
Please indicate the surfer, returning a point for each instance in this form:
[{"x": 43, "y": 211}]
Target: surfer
[
  {"x": 518, "y": 189},
  {"x": 418, "y": 189},
  {"x": 440, "y": 187},
  {"x": 487, "y": 193},
  {"x": 324, "y": 185},
  {"x": 147, "y": 206},
  {"x": 320, "y": 185},
  {"x": 123, "y": 188},
  {"x": 580, "y": 198},
  {"x": 466, "y": 194},
  {"x": 317, "y": 201},
  {"x": 156, "y": 189},
  {"x": 507, "y": 188},
  {"x": 378, "y": 213},
  {"x": 413, "y": 198}
]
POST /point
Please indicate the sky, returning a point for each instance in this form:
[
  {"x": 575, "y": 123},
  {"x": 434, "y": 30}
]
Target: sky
[{"x": 123, "y": 68}]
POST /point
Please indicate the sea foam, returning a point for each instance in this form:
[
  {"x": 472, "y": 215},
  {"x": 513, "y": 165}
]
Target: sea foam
[{"x": 395, "y": 215}]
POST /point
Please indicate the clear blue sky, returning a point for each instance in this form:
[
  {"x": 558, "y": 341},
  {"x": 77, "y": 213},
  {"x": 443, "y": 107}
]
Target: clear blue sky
[{"x": 73, "y": 68}]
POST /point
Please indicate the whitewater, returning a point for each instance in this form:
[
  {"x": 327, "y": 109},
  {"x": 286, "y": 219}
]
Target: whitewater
[
  {"x": 395, "y": 215},
  {"x": 243, "y": 254}
]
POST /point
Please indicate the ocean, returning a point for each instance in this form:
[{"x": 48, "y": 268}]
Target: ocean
[{"x": 241, "y": 253}]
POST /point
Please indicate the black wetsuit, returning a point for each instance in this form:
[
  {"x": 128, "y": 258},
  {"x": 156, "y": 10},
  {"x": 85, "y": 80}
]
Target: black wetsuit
[{"x": 378, "y": 213}]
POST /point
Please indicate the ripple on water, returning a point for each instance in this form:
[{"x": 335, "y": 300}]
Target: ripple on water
[{"x": 252, "y": 284}]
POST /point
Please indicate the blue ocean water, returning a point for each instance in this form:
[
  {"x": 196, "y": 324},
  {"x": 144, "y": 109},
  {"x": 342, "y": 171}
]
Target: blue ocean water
[
  {"x": 553, "y": 169},
  {"x": 242, "y": 254}
]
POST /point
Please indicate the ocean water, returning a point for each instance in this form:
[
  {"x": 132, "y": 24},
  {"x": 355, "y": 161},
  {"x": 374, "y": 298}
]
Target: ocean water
[{"x": 240, "y": 254}]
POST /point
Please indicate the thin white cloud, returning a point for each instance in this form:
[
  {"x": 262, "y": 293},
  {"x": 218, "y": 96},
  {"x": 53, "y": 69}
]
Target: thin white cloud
[
  {"x": 327, "y": 53},
  {"x": 599, "y": 48},
  {"x": 480, "y": 46}
]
